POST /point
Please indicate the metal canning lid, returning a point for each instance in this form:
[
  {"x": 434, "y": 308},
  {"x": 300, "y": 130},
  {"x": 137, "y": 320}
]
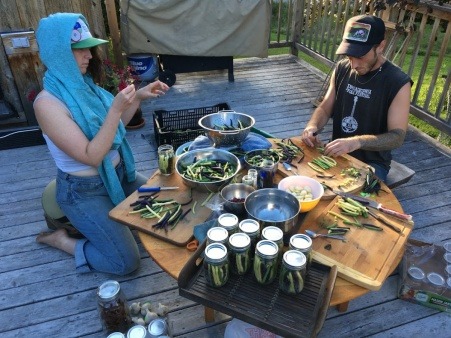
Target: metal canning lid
[
  {"x": 116, "y": 335},
  {"x": 240, "y": 240},
  {"x": 228, "y": 221},
  {"x": 272, "y": 233},
  {"x": 448, "y": 282},
  {"x": 249, "y": 226},
  {"x": 448, "y": 269},
  {"x": 294, "y": 259},
  {"x": 301, "y": 242},
  {"x": 215, "y": 252},
  {"x": 157, "y": 327},
  {"x": 436, "y": 279},
  {"x": 447, "y": 246},
  {"x": 416, "y": 273},
  {"x": 137, "y": 331},
  {"x": 108, "y": 290},
  {"x": 217, "y": 234},
  {"x": 447, "y": 257},
  {"x": 267, "y": 248}
]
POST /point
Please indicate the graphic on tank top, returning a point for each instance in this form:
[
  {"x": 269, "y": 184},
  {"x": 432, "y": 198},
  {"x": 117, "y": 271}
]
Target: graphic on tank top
[{"x": 349, "y": 124}]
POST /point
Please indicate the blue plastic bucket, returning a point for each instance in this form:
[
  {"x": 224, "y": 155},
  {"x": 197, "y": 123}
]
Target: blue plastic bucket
[{"x": 145, "y": 66}]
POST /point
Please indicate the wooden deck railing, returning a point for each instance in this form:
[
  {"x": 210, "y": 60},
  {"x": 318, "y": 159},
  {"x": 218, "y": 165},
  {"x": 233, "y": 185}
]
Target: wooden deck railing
[{"x": 420, "y": 35}]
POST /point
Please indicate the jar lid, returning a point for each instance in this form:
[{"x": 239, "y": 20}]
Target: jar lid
[
  {"x": 448, "y": 282},
  {"x": 448, "y": 269},
  {"x": 108, "y": 290},
  {"x": 240, "y": 240},
  {"x": 447, "y": 257},
  {"x": 116, "y": 335},
  {"x": 217, "y": 234},
  {"x": 447, "y": 246},
  {"x": 416, "y": 273},
  {"x": 137, "y": 331},
  {"x": 157, "y": 327},
  {"x": 301, "y": 242},
  {"x": 267, "y": 248},
  {"x": 436, "y": 279},
  {"x": 215, "y": 251},
  {"x": 272, "y": 233},
  {"x": 295, "y": 259},
  {"x": 249, "y": 226},
  {"x": 228, "y": 220}
]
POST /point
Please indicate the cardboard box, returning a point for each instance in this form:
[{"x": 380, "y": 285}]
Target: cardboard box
[{"x": 425, "y": 276}]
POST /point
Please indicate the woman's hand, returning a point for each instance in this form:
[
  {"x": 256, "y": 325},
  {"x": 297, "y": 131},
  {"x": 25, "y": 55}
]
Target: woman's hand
[
  {"x": 124, "y": 99},
  {"x": 154, "y": 89}
]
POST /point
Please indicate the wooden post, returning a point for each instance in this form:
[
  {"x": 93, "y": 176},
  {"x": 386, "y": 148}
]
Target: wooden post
[{"x": 114, "y": 31}]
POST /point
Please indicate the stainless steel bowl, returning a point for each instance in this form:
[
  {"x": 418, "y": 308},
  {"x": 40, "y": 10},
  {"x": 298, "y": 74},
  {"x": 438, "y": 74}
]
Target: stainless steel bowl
[
  {"x": 235, "y": 191},
  {"x": 211, "y": 154},
  {"x": 264, "y": 153},
  {"x": 222, "y": 138},
  {"x": 274, "y": 207}
]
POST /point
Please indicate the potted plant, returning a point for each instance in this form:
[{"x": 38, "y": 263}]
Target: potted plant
[{"x": 116, "y": 79}]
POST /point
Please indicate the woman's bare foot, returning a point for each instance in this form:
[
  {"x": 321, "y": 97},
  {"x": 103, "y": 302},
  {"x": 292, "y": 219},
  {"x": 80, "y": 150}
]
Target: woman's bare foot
[{"x": 58, "y": 239}]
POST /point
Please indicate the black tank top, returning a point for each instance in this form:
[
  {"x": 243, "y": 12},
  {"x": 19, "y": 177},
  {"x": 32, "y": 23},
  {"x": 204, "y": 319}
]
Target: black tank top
[{"x": 362, "y": 103}]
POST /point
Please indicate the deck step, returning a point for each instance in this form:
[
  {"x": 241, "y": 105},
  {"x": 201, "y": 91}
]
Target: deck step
[{"x": 398, "y": 174}]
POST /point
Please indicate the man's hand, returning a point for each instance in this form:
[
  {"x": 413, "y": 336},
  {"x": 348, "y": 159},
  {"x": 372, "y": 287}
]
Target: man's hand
[
  {"x": 309, "y": 136},
  {"x": 341, "y": 146}
]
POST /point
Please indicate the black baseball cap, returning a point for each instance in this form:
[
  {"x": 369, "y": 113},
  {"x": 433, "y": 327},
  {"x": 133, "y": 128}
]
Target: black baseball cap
[{"x": 361, "y": 33}]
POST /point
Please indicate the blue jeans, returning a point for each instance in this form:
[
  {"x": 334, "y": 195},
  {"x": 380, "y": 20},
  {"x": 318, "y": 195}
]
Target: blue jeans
[{"x": 108, "y": 246}]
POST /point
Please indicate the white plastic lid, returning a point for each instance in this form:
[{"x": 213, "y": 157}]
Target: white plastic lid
[
  {"x": 272, "y": 233},
  {"x": 436, "y": 279},
  {"x": 416, "y": 273}
]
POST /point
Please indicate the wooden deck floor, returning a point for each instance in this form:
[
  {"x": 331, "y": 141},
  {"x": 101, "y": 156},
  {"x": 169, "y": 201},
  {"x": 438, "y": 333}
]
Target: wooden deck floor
[{"x": 42, "y": 296}]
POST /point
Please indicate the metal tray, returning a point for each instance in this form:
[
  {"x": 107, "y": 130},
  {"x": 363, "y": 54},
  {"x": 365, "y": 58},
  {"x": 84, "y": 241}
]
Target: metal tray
[{"x": 264, "y": 306}]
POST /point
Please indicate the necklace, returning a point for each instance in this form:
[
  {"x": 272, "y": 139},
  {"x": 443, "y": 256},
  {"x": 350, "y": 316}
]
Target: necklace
[{"x": 362, "y": 83}]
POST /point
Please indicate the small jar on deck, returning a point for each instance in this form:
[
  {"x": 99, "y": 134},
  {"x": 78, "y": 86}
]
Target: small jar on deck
[
  {"x": 239, "y": 256},
  {"x": 265, "y": 261},
  {"x": 113, "y": 309},
  {"x": 229, "y": 222},
  {"x": 216, "y": 265},
  {"x": 166, "y": 159},
  {"x": 302, "y": 243},
  {"x": 292, "y": 272}
]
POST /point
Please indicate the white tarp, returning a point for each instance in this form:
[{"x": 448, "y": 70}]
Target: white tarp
[{"x": 196, "y": 27}]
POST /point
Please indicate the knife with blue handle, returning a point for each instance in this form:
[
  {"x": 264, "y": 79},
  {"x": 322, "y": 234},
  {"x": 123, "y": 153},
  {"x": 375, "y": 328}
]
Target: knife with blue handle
[{"x": 153, "y": 189}]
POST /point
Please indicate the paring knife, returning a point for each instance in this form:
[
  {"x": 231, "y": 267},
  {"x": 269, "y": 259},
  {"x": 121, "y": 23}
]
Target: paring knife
[
  {"x": 376, "y": 205},
  {"x": 152, "y": 189}
]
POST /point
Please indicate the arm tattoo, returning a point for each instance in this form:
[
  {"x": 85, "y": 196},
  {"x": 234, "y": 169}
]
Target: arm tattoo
[{"x": 387, "y": 141}]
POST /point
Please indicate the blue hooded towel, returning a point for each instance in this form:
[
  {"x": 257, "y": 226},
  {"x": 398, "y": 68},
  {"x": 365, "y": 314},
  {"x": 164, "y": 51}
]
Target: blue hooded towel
[{"x": 87, "y": 102}]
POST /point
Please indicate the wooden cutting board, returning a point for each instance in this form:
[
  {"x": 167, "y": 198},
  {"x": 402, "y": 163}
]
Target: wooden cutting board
[
  {"x": 359, "y": 260},
  {"x": 338, "y": 182},
  {"x": 183, "y": 232}
]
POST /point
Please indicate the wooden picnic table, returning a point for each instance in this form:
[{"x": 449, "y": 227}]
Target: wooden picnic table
[{"x": 363, "y": 264}]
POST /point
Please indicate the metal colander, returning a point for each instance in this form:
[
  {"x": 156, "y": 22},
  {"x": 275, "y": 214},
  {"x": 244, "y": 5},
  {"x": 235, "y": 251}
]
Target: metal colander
[{"x": 211, "y": 124}]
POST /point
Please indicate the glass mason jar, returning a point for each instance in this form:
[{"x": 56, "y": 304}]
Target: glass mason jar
[
  {"x": 265, "y": 262},
  {"x": 239, "y": 256},
  {"x": 274, "y": 234},
  {"x": 166, "y": 159},
  {"x": 266, "y": 174},
  {"x": 292, "y": 272},
  {"x": 253, "y": 174},
  {"x": 216, "y": 265},
  {"x": 251, "y": 228},
  {"x": 217, "y": 235},
  {"x": 302, "y": 243},
  {"x": 229, "y": 222},
  {"x": 112, "y": 307}
]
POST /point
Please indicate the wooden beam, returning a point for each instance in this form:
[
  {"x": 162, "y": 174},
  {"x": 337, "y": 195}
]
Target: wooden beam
[{"x": 114, "y": 31}]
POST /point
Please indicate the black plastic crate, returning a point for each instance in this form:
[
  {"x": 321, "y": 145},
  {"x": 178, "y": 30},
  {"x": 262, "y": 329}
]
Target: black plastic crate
[{"x": 180, "y": 126}]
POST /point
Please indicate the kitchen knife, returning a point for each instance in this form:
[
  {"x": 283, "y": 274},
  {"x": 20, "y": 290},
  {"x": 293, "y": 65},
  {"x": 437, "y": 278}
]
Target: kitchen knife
[
  {"x": 152, "y": 189},
  {"x": 376, "y": 205},
  {"x": 386, "y": 221}
]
